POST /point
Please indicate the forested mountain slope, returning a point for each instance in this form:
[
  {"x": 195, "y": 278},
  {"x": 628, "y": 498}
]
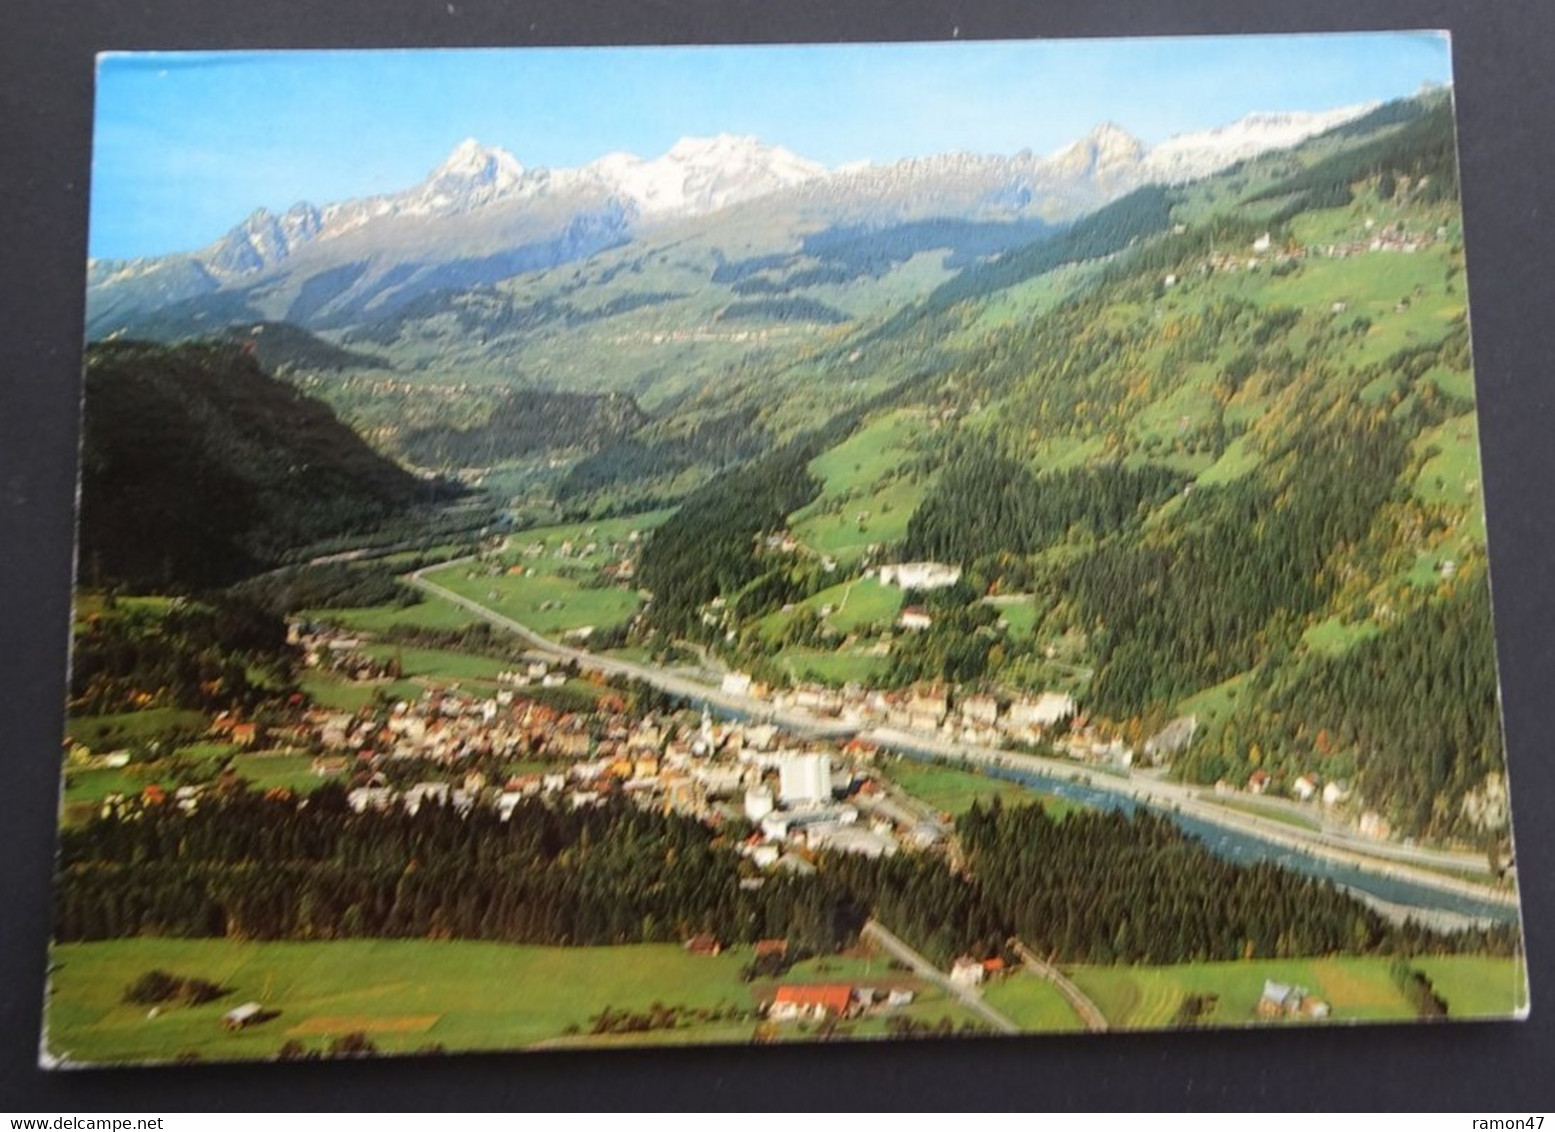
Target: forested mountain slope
[
  {"x": 198, "y": 468},
  {"x": 1235, "y": 477}
]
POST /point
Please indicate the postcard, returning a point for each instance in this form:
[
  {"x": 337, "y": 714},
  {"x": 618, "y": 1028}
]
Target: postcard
[{"x": 623, "y": 546}]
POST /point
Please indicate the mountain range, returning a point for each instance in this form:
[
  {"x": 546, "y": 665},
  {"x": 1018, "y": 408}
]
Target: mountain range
[
  {"x": 481, "y": 216},
  {"x": 1205, "y": 451}
]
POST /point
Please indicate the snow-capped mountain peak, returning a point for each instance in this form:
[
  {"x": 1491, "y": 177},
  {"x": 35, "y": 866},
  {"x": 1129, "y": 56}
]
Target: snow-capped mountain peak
[
  {"x": 1184, "y": 157},
  {"x": 476, "y": 164},
  {"x": 703, "y": 174},
  {"x": 482, "y": 200}
]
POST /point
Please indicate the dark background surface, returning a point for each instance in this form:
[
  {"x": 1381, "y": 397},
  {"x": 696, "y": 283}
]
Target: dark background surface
[{"x": 1506, "y": 112}]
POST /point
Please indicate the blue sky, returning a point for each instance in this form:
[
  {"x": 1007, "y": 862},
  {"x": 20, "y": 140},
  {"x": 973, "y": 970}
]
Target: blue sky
[{"x": 187, "y": 144}]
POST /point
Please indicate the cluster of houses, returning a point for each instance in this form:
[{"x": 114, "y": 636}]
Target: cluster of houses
[
  {"x": 1388, "y": 238},
  {"x": 331, "y": 650},
  {"x": 801, "y": 796},
  {"x": 1305, "y": 788},
  {"x": 974, "y": 718},
  {"x": 929, "y": 709},
  {"x": 616, "y": 557},
  {"x": 1281, "y": 1000}
]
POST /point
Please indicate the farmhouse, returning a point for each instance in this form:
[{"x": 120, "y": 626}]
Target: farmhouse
[
  {"x": 967, "y": 972},
  {"x": 1282, "y": 1001},
  {"x": 792, "y": 1003}
]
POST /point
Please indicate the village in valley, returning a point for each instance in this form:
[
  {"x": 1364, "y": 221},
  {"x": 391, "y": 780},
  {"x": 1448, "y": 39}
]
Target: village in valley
[
  {"x": 724, "y": 597},
  {"x": 798, "y": 796}
]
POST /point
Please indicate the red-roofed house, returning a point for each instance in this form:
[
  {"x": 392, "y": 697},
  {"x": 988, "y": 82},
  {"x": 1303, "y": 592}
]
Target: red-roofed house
[{"x": 792, "y": 1003}]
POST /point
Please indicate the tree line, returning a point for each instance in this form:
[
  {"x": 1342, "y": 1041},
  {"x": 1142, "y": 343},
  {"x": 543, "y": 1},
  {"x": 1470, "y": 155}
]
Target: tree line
[{"x": 1094, "y": 887}]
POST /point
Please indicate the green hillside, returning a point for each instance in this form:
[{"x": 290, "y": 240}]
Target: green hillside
[
  {"x": 198, "y": 468},
  {"x": 1245, "y": 452}
]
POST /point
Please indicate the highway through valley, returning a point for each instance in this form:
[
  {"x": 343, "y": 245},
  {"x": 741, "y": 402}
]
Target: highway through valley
[{"x": 1416, "y": 866}]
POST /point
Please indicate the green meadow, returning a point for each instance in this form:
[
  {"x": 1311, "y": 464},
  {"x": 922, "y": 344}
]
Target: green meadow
[
  {"x": 547, "y": 603},
  {"x": 107, "y": 732},
  {"x": 1357, "y": 988},
  {"x": 864, "y": 499},
  {"x": 952, "y": 790},
  {"x": 404, "y": 995},
  {"x": 332, "y": 690},
  {"x": 407, "y": 995},
  {"x": 847, "y": 607},
  {"x": 1032, "y": 1003},
  {"x": 833, "y": 668},
  {"x": 431, "y": 613}
]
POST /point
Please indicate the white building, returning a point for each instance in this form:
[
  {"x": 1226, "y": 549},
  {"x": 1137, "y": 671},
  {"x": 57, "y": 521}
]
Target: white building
[
  {"x": 365, "y": 798},
  {"x": 758, "y": 803},
  {"x": 1044, "y": 711},
  {"x": 980, "y": 709},
  {"x": 920, "y": 575},
  {"x": 966, "y": 972},
  {"x": 737, "y": 683},
  {"x": 804, "y": 779}
]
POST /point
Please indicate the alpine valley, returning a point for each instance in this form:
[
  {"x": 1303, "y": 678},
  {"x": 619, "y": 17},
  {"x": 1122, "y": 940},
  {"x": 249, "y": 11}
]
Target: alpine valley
[{"x": 1140, "y": 483}]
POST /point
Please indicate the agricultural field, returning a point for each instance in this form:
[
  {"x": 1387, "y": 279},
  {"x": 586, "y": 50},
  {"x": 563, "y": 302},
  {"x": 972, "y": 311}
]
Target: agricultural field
[
  {"x": 437, "y": 664},
  {"x": 1475, "y": 987},
  {"x": 952, "y": 790},
  {"x": 852, "y": 605},
  {"x": 407, "y": 995},
  {"x": 863, "y": 499},
  {"x": 547, "y": 603},
  {"x": 430, "y": 613},
  {"x": 292, "y": 772},
  {"x": 1451, "y": 474},
  {"x": 94, "y": 784},
  {"x": 1019, "y": 614},
  {"x": 833, "y": 668},
  {"x": 1032, "y": 1003},
  {"x": 404, "y": 995},
  {"x": 1357, "y": 988},
  {"x": 1213, "y": 703},
  {"x": 546, "y": 578},
  {"x": 1334, "y": 636},
  {"x": 332, "y": 690},
  {"x": 601, "y": 534}
]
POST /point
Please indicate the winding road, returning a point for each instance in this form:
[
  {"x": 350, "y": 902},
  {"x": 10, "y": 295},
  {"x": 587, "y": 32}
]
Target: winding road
[{"x": 967, "y": 996}]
